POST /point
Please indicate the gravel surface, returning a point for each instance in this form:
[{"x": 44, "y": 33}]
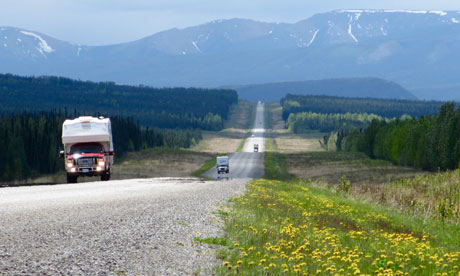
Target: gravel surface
[{"x": 125, "y": 227}]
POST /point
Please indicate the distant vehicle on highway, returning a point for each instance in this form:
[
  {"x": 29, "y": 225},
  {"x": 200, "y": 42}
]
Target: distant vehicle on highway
[
  {"x": 223, "y": 165},
  {"x": 256, "y": 147},
  {"x": 88, "y": 148}
]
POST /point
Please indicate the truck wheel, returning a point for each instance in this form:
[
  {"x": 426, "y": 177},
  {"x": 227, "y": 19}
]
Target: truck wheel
[
  {"x": 105, "y": 177},
  {"x": 72, "y": 178}
]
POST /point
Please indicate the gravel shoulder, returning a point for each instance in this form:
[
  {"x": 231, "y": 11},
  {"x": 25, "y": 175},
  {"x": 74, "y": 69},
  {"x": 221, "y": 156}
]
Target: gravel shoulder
[{"x": 124, "y": 227}]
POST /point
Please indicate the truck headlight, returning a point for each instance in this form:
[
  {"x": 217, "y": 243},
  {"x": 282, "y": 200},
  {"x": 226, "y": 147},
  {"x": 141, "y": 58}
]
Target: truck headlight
[
  {"x": 99, "y": 169},
  {"x": 73, "y": 169},
  {"x": 101, "y": 162},
  {"x": 69, "y": 163}
]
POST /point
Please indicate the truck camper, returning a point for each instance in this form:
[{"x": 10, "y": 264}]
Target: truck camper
[
  {"x": 223, "y": 165},
  {"x": 88, "y": 148}
]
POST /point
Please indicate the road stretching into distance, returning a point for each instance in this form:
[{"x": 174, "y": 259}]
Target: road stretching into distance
[
  {"x": 121, "y": 227},
  {"x": 247, "y": 164}
]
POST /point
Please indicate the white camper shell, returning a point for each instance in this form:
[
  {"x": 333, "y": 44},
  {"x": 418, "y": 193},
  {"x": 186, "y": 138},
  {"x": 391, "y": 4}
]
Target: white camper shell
[
  {"x": 93, "y": 139},
  {"x": 87, "y": 129}
]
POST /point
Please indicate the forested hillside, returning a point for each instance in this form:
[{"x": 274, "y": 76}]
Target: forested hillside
[
  {"x": 30, "y": 142},
  {"x": 156, "y": 107},
  {"x": 381, "y": 107},
  {"x": 429, "y": 142}
]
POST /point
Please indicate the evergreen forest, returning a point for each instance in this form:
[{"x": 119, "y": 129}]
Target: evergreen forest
[
  {"x": 338, "y": 105},
  {"x": 30, "y": 142},
  {"x": 430, "y": 142},
  {"x": 306, "y": 121},
  {"x": 155, "y": 107}
]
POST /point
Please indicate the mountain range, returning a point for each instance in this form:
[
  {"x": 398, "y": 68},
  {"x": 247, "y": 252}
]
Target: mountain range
[{"x": 417, "y": 49}]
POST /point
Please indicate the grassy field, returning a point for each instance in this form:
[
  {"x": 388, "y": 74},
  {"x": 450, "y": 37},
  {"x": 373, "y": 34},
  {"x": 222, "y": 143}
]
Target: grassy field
[
  {"x": 356, "y": 167},
  {"x": 159, "y": 162},
  {"x": 293, "y": 228}
]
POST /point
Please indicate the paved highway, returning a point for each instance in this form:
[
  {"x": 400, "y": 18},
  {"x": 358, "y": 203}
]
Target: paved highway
[{"x": 247, "y": 164}]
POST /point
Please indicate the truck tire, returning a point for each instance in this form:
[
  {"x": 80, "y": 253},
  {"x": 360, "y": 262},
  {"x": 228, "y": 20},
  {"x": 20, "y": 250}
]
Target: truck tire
[
  {"x": 72, "y": 178},
  {"x": 105, "y": 177}
]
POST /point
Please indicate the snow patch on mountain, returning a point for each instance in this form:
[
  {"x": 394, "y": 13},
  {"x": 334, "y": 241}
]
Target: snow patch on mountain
[
  {"x": 313, "y": 38},
  {"x": 44, "y": 47},
  {"x": 441, "y": 13},
  {"x": 196, "y": 46},
  {"x": 383, "y": 31},
  {"x": 349, "y": 29}
]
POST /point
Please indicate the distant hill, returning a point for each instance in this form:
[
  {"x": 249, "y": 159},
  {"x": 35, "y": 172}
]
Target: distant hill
[
  {"x": 354, "y": 87},
  {"x": 417, "y": 49}
]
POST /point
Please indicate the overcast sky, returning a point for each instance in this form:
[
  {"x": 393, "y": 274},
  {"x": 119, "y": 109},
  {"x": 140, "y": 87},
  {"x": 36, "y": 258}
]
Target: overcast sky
[{"x": 98, "y": 22}]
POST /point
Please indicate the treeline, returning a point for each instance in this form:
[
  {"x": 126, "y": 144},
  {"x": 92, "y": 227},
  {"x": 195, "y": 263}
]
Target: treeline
[
  {"x": 429, "y": 142},
  {"x": 304, "y": 121},
  {"x": 154, "y": 107},
  {"x": 334, "y": 105},
  {"x": 30, "y": 142}
]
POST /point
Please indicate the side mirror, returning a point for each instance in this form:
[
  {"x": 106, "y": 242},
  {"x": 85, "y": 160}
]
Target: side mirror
[{"x": 61, "y": 154}]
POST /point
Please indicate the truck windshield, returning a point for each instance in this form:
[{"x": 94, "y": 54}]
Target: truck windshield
[
  {"x": 86, "y": 148},
  {"x": 222, "y": 161}
]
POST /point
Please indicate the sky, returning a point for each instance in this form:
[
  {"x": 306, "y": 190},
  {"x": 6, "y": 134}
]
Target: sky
[{"x": 102, "y": 22}]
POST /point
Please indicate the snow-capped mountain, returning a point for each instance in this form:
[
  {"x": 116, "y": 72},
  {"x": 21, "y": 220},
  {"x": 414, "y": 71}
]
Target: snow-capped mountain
[{"x": 418, "y": 49}]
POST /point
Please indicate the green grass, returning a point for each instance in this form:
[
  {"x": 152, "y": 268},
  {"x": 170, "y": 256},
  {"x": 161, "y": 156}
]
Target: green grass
[
  {"x": 275, "y": 166},
  {"x": 212, "y": 240},
  {"x": 209, "y": 164},
  {"x": 435, "y": 196},
  {"x": 293, "y": 228},
  {"x": 267, "y": 116},
  {"x": 243, "y": 141}
]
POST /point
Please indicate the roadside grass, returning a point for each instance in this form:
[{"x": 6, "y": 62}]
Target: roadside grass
[
  {"x": 243, "y": 142},
  {"x": 209, "y": 164},
  {"x": 274, "y": 115},
  {"x": 354, "y": 166},
  {"x": 267, "y": 116},
  {"x": 157, "y": 162},
  {"x": 238, "y": 116},
  {"x": 294, "y": 228},
  {"x": 275, "y": 166},
  {"x": 435, "y": 196},
  {"x": 212, "y": 240}
]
